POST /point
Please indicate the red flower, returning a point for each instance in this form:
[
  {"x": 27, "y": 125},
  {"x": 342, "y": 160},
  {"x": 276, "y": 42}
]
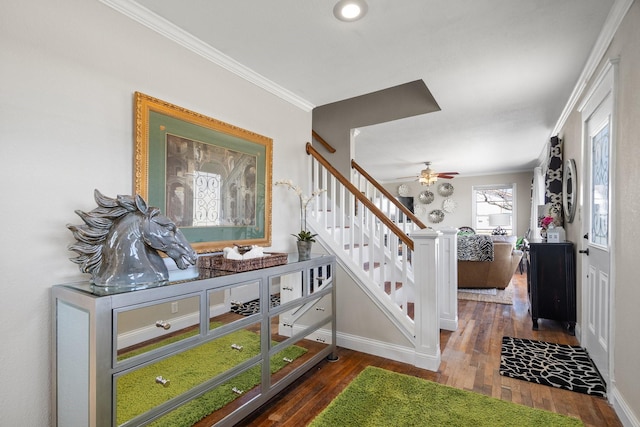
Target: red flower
[{"x": 544, "y": 222}]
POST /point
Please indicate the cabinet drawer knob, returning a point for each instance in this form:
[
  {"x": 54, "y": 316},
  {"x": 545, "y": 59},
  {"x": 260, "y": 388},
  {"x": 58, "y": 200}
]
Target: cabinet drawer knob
[
  {"x": 236, "y": 347},
  {"x": 163, "y": 381},
  {"x": 164, "y": 325}
]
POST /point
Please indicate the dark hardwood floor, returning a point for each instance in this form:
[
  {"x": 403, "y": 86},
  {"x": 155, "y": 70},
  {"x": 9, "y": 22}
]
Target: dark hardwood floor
[{"x": 470, "y": 361}]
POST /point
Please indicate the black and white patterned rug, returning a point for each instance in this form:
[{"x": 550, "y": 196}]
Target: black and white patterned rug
[
  {"x": 556, "y": 365},
  {"x": 252, "y": 307}
]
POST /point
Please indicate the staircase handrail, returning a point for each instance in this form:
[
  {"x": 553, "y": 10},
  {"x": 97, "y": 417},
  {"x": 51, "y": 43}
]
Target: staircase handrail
[
  {"x": 388, "y": 195},
  {"x": 361, "y": 197},
  {"x": 322, "y": 141}
]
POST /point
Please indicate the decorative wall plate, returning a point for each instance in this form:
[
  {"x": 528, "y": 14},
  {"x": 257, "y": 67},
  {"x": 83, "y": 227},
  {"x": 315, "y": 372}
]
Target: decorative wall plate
[
  {"x": 449, "y": 205},
  {"x": 403, "y": 190},
  {"x": 426, "y": 197},
  {"x": 436, "y": 216},
  {"x": 421, "y": 210},
  {"x": 445, "y": 190}
]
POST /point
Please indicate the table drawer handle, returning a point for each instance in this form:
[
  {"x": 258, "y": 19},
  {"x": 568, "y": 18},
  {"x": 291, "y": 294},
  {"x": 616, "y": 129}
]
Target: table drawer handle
[
  {"x": 163, "y": 324},
  {"x": 163, "y": 381}
]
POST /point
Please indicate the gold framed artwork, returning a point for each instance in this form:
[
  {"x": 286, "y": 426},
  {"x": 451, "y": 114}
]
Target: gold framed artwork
[{"x": 211, "y": 178}]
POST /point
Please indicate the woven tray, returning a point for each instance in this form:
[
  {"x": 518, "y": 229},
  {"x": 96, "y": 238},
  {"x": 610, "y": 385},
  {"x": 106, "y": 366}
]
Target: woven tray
[{"x": 219, "y": 262}]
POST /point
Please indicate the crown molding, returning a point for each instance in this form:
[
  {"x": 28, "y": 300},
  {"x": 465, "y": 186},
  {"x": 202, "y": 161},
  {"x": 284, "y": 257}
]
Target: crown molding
[
  {"x": 167, "y": 29},
  {"x": 611, "y": 25}
]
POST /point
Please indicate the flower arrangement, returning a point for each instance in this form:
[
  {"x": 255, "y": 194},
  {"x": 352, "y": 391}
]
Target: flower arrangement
[
  {"x": 304, "y": 235},
  {"x": 552, "y": 218},
  {"x": 546, "y": 221}
]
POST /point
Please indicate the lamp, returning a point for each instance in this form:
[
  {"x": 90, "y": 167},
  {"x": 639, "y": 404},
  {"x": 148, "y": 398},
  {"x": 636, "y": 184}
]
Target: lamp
[
  {"x": 499, "y": 220},
  {"x": 350, "y": 10},
  {"x": 428, "y": 176}
]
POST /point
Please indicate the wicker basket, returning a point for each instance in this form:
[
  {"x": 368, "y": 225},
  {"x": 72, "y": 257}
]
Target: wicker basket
[{"x": 219, "y": 262}]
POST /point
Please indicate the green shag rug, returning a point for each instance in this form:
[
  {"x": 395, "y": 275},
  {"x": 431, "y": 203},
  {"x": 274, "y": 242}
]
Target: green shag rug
[
  {"x": 137, "y": 391},
  {"x": 378, "y": 397}
]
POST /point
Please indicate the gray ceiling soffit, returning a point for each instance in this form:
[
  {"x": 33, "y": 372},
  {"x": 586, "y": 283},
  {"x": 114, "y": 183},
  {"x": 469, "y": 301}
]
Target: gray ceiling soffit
[{"x": 394, "y": 103}]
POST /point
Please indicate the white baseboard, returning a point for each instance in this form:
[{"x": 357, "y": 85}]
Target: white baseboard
[
  {"x": 623, "y": 411},
  {"x": 429, "y": 362},
  {"x": 449, "y": 324},
  {"x": 395, "y": 352},
  {"x": 377, "y": 348},
  {"x": 218, "y": 309}
]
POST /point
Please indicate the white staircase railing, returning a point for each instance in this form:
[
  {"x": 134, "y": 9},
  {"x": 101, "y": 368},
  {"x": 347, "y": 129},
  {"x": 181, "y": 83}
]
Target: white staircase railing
[
  {"x": 374, "y": 253},
  {"x": 383, "y": 200},
  {"x": 448, "y": 280},
  {"x": 380, "y": 257}
]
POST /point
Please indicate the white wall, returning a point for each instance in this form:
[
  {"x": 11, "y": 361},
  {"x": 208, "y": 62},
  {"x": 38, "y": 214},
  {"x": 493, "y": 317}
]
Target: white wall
[
  {"x": 462, "y": 194},
  {"x": 68, "y": 71},
  {"x": 625, "y": 210}
]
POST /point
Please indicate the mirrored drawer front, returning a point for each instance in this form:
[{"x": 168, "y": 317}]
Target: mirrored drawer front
[
  {"x": 151, "y": 327},
  {"x": 228, "y": 305},
  {"x": 286, "y": 288},
  {"x": 317, "y": 312},
  {"x": 217, "y": 403},
  {"x": 142, "y": 389},
  {"x": 292, "y": 286},
  {"x": 320, "y": 278},
  {"x": 298, "y": 353},
  {"x": 301, "y": 317}
]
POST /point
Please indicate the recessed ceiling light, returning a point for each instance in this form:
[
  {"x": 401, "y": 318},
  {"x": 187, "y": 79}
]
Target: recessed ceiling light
[{"x": 350, "y": 10}]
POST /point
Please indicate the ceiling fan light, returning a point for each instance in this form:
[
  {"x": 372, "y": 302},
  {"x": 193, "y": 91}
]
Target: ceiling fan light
[{"x": 427, "y": 179}]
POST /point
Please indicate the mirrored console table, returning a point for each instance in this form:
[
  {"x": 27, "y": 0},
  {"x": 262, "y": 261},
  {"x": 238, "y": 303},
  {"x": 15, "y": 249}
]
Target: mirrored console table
[{"x": 223, "y": 341}]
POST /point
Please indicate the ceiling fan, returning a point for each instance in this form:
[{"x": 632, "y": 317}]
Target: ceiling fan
[{"x": 428, "y": 176}]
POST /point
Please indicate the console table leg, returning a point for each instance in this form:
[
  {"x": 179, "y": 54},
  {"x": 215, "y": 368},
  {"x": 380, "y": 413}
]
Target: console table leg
[{"x": 535, "y": 324}]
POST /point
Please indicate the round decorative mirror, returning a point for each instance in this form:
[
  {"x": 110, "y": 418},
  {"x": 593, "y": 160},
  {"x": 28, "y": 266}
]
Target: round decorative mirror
[{"x": 569, "y": 190}]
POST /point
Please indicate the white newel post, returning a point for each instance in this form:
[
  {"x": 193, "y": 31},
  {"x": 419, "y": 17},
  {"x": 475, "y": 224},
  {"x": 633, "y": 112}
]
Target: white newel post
[
  {"x": 426, "y": 255},
  {"x": 448, "y": 289}
]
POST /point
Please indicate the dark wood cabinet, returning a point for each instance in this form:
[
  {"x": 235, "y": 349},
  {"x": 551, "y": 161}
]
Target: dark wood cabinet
[{"x": 551, "y": 283}]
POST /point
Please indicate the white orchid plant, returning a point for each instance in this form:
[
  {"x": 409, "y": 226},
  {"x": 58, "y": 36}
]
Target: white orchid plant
[{"x": 304, "y": 234}]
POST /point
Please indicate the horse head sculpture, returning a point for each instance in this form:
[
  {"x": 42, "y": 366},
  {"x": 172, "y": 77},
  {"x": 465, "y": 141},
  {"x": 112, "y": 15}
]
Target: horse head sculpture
[{"x": 119, "y": 241}]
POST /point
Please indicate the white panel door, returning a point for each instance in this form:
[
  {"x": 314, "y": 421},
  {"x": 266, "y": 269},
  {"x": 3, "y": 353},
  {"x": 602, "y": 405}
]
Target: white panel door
[{"x": 596, "y": 220}]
